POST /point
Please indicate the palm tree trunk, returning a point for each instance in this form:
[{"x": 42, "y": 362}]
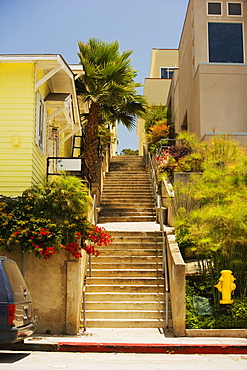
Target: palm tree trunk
[{"x": 91, "y": 139}]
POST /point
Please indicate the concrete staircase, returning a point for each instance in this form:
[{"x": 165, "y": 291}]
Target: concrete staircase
[
  {"x": 126, "y": 289},
  {"x": 127, "y": 192}
]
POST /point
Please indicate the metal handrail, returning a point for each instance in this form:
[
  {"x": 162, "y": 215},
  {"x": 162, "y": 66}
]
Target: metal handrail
[
  {"x": 84, "y": 304},
  {"x": 153, "y": 180},
  {"x": 164, "y": 262},
  {"x": 159, "y": 210},
  {"x": 89, "y": 269}
]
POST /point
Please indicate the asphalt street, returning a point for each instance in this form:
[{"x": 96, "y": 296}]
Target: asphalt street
[{"x": 118, "y": 361}]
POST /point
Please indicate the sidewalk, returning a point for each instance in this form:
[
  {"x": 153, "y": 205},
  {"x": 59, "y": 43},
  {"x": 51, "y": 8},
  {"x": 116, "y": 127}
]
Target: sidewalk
[{"x": 132, "y": 341}]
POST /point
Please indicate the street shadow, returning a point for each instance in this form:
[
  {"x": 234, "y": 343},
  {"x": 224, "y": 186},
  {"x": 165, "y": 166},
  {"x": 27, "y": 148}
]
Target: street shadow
[{"x": 10, "y": 358}]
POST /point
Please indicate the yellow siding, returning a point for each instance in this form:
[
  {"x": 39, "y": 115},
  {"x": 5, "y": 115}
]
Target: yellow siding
[
  {"x": 21, "y": 163},
  {"x": 16, "y": 122},
  {"x": 39, "y": 160}
]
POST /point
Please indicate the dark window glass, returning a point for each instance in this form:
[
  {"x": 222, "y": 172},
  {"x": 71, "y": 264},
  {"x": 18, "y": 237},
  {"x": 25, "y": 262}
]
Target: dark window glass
[
  {"x": 167, "y": 73},
  {"x": 15, "y": 278},
  {"x": 225, "y": 42},
  {"x": 214, "y": 8},
  {"x": 234, "y": 9}
]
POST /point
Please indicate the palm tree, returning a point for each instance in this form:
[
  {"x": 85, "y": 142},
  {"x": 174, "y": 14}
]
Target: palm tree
[{"x": 108, "y": 85}]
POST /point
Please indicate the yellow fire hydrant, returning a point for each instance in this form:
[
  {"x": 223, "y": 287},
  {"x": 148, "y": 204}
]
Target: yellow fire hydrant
[{"x": 226, "y": 286}]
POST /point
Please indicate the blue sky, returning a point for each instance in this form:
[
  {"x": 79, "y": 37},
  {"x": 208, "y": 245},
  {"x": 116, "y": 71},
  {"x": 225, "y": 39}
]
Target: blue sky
[{"x": 56, "y": 26}]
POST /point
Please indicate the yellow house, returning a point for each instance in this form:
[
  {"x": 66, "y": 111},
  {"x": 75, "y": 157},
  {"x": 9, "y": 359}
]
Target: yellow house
[
  {"x": 164, "y": 63},
  {"x": 39, "y": 117}
]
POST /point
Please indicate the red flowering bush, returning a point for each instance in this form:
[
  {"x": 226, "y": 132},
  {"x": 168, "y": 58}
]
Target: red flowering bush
[
  {"x": 96, "y": 235},
  {"x": 74, "y": 249},
  {"x": 34, "y": 223},
  {"x": 34, "y": 235}
]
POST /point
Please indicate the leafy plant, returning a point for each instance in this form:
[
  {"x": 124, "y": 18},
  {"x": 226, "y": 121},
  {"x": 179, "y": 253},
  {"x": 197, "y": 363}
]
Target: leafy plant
[
  {"x": 156, "y": 133},
  {"x": 108, "y": 86},
  {"x": 211, "y": 220},
  {"x": 48, "y": 217},
  {"x": 233, "y": 316},
  {"x": 153, "y": 115},
  {"x": 169, "y": 160},
  {"x": 106, "y": 137}
]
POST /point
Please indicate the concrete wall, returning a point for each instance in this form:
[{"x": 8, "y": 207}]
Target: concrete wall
[
  {"x": 176, "y": 270},
  {"x": 156, "y": 90},
  {"x": 56, "y": 289},
  {"x": 223, "y": 97},
  {"x": 162, "y": 58},
  {"x": 211, "y": 96}
]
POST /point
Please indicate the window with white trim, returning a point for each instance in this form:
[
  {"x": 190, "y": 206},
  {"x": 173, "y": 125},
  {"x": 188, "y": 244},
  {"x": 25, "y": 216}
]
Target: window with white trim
[
  {"x": 214, "y": 8},
  {"x": 235, "y": 9},
  {"x": 166, "y": 72},
  {"x": 40, "y": 123}
]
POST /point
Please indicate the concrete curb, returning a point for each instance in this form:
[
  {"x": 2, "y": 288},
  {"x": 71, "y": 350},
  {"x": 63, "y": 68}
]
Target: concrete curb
[
  {"x": 153, "y": 348},
  {"x": 130, "y": 348}
]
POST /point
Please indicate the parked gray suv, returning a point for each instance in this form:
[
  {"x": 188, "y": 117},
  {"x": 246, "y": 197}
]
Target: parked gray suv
[{"x": 15, "y": 304}]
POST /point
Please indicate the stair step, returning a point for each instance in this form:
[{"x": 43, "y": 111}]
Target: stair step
[
  {"x": 124, "y": 281},
  {"x": 123, "y": 296},
  {"x": 134, "y": 200},
  {"x": 119, "y": 267},
  {"x": 125, "y": 288},
  {"x": 134, "y": 234},
  {"x": 125, "y": 203},
  {"x": 142, "y": 182},
  {"x": 149, "y": 323},
  {"x": 114, "y": 208},
  {"x": 126, "y": 273},
  {"x": 126, "y": 305},
  {"x": 134, "y": 253},
  {"x": 127, "y": 215},
  {"x": 140, "y": 246},
  {"x": 120, "y": 190},
  {"x": 136, "y": 239},
  {"x": 124, "y": 183},
  {"x": 127, "y": 219},
  {"x": 124, "y": 314},
  {"x": 128, "y": 259}
]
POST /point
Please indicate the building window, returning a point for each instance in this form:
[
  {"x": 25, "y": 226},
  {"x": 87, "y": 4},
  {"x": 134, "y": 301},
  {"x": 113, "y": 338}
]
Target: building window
[
  {"x": 40, "y": 123},
  {"x": 225, "y": 42},
  {"x": 166, "y": 72},
  {"x": 234, "y": 9},
  {"x": 214, "y": 8}
]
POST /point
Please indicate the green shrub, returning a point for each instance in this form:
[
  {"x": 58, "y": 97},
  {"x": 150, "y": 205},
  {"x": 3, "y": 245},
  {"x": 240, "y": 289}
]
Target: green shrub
[{"x": 233, "y": 316}]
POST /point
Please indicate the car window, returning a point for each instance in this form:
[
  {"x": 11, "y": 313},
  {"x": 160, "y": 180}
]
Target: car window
[{"x": 15, "y": 278}]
